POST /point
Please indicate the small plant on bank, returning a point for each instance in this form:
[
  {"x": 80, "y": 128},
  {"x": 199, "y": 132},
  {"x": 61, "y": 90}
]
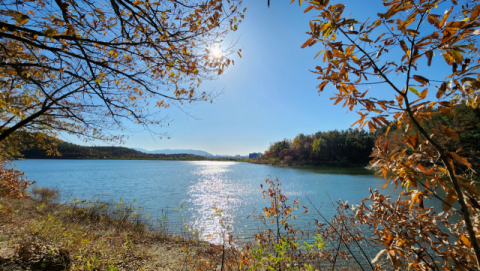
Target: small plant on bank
[
  {"x": 46, "y": 194},
  {"x": 13, "y": 182}
]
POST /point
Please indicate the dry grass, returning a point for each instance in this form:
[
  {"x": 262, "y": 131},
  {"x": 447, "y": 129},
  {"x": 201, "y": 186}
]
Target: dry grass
[
  {"x": 92, "y": 235},
  {"x": 46, "y": 194},
  {"x": 40, "y": 234}
]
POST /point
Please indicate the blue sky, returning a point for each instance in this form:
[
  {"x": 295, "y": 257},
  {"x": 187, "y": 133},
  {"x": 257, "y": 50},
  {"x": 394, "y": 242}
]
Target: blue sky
[{"x": 269, "y": 94}]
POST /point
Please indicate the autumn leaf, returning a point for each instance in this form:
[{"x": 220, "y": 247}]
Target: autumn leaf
[
  {"x": 22, "y": 19},
  {"x": 322, "y": 85},
  {"x": 449, "y": 199},
  {"x": 475, "y": 13},
  {"x": 449, "y": 58},
  {"x": 307, "y": 42},
  {"x": 464, "y": 240},
  {"x": 308, "y": 9},
  {"x": 371, "y": 126},
  {"x": 422, "y": 80},
  {"x": 429, "y": 55},
  {"x": 378, "y": 255},
  {"x": 424, "y": 93},
  {"x": 404, "y": 46},
  {"x": 447, "y": 111},
  {"x": 450, "y": 133},
  {"x": 414, "y": 90},
  {"x": 460, "y": 159},
  {"x": 49, "y": 32},
  {"x": 441, "y": 90}
]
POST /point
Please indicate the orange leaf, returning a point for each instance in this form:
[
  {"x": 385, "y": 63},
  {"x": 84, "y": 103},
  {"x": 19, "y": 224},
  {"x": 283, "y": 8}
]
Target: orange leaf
[
  {"x": 386, "y": 184},
  {"x": 371, "y": 126},
  {"x": 460, "y": 159},
  {"x": 415, "y": 140},
  {"x": 307, "y": 42},
  {"x": 322, "y": 85},
  {"x": 308, "y": 9},
  {"x": 450, "y": 133},
  {"x": 424, "y": 93},
  {"x": 464, "y": 240},
  {"x": 447, "y": 111},
  {"x": 475, "y": 13},
  {"x": 449, "y": 199}
]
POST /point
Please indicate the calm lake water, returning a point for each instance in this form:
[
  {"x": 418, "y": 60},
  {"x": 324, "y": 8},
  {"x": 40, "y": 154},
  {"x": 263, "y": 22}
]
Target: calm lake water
[{"x": 199, "y": 187}]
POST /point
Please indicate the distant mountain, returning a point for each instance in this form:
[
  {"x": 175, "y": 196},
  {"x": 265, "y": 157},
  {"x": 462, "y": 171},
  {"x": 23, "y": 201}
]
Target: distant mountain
[{"x": 168, "y": 151}]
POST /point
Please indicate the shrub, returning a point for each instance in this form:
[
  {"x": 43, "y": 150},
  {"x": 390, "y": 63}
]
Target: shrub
[
  {"x": 46, "y": 194},
  {"x": 12, "y": 181}
]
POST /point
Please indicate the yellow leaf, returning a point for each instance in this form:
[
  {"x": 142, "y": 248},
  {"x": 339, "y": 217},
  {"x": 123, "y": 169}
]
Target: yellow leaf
[
  {"x": 300, "y": 2},
  {"x": 49, "y": 32},
  {"x": 239, "y": 54}
]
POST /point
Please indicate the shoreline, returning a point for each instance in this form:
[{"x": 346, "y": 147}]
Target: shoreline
[
  {"x": 36, "y": 232},
  {"x": 309, "y": 164},
  {"x": 299, "y": 164}
]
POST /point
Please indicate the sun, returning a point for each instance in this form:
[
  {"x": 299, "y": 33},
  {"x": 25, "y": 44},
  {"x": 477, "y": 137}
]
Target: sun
[{"x": 216, "y": 52}]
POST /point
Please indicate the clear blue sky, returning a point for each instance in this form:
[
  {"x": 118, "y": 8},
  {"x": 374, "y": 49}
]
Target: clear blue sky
[{"x": 269, "y": 94}]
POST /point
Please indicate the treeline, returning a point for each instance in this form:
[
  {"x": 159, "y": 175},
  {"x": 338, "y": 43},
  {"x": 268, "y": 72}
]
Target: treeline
[
  {"x": 353, "y": 147},
  {"x": 72, "y": 151},
  {"x": 350, "y": 147}
]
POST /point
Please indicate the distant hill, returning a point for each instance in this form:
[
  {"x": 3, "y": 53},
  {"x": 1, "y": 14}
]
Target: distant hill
[
  {"x": 73, "y": 151},
  {"x": 168, "y": 151}
]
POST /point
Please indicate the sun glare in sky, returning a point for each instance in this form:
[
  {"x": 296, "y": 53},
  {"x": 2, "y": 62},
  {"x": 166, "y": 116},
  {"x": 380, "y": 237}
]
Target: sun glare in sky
[{"x": 216, "y": 52}]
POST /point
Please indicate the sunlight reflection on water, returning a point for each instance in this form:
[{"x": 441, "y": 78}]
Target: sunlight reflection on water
[{"x": 215, "y": 199}]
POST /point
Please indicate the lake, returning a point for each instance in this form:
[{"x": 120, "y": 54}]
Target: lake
[{"x": 192, "y": 193}]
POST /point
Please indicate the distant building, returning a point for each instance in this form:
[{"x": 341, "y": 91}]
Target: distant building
[{"x": 255, "y": 155}]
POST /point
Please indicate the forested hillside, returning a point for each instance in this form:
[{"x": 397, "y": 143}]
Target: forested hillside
[
  {"x": 333, "y": 148},
  {"x": 354, "y": 147},
  {"x": 72, "y": 151}
]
